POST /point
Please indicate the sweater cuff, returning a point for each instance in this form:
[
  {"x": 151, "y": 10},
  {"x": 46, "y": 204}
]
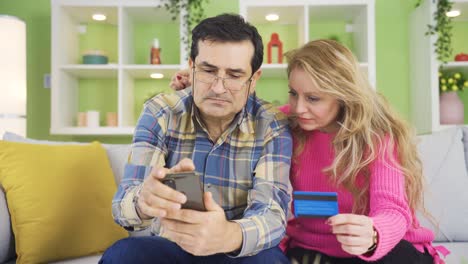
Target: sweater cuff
[
  {"x": 376, "y": 253},
  {"x": 390, "y": 232}
]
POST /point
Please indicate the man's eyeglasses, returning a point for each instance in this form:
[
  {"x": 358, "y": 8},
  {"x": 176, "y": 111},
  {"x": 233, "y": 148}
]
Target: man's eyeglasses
[{"x": 229, "y": 83}]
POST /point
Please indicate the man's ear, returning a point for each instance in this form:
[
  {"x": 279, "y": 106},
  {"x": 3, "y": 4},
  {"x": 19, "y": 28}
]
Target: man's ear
[
  {"x": 191, "y": 65},
  {"x": 255, "y": 78}
]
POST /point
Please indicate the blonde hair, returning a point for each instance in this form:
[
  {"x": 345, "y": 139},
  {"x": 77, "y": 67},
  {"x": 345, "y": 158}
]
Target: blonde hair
[{"x": 366, "y": 123}]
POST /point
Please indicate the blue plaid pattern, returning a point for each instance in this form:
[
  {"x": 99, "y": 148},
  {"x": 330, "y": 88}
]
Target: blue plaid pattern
[{"x": 246, "y": 169}]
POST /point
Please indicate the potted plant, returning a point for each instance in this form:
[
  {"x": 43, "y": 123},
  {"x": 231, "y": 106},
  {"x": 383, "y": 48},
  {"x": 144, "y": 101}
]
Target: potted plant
[{"x": 451, "y": 107}]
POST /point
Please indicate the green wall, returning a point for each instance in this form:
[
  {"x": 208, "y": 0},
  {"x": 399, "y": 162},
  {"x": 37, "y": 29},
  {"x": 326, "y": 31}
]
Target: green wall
[
  {"x": 392, "y": 52},
  {"x": 391, "y": 41},
  {"x": 460, "y": 37}
]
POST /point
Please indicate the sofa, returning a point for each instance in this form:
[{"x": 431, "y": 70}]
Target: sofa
[
  {"x": 116, "y": 154},
  {"x": 445, "y": 165}
]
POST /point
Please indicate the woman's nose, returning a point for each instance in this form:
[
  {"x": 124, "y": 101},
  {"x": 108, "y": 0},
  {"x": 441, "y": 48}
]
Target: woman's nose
[{"x": 300, "y": 107}]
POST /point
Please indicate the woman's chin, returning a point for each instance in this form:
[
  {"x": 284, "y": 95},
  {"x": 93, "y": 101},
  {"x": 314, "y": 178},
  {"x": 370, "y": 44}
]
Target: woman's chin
[{"x": 307, "y": 127}]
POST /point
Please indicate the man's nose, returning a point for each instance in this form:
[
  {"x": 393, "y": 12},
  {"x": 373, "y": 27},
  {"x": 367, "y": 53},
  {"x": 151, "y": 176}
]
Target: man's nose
[{"x": 218, "y": 86}]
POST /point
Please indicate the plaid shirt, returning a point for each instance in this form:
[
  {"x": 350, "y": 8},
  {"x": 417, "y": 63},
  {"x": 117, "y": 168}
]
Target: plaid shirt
[{"x": 246, "y": 169}]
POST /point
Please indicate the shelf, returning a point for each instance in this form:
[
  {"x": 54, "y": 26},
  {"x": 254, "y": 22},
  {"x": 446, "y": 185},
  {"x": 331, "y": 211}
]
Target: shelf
[
  {"x": 91, "y": 71},
  {"x": 287, "y": 14},
  {"x": 124, "y": 131},
  {"x": 75, "y": 32},
  {"x": 125, "y": 37},
  {"x": 83, "y": 14},
  {"x": 365, "y": 68},
  {"x": 274, "y": 70},
  {"x": 444, "y": 127},
  {"x": 456, "y": 66},
  {"x": 348, "y": 23},
  {"x": 128, "y": 33},
  {"x": 279, "y": 70},
  {"x": 425, "y": 91},
  {"x": 290, "y": 26},
  {"x": 292, "y": 12},
  {"x": 144, "y": 71},
  {"x": 301, "y": 21},
  {"x": 141, "y": 25},
  {"x": 148, "y": 14},
  {"x": 110, "y": 70},
  {"x": 461, "y": 5},
  {"x": 344, "y": 12}
]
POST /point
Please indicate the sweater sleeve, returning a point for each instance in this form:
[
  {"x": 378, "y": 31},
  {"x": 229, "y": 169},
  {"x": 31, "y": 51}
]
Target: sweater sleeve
[
  {"x": 286, "y": 109},
  {"x": 388, "y": 204}
]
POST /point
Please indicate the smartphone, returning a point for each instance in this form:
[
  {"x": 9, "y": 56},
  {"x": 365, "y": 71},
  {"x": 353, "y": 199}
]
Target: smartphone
[{"x": 189, "y": 184}]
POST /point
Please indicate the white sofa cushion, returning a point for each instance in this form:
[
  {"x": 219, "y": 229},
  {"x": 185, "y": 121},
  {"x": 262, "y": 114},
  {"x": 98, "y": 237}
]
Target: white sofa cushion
[
  {"x": 465, "y": 143},
  {"x": 446, "y": 196},
  {"x": 7, "y": 249},
  {"x": 83, "y": 260},
  {"x": 458, "y": 252}
]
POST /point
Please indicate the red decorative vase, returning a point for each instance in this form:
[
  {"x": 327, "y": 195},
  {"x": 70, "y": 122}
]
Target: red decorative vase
[{"x": 451, "y": 109}]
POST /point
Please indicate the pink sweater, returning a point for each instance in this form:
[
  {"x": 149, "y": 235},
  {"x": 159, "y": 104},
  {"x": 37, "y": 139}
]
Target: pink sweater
[{"x": 388, "y": 205}]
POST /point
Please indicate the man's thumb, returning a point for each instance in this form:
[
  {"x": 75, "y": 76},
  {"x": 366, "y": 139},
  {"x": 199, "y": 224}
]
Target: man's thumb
[{"x": 210, "y": 203}]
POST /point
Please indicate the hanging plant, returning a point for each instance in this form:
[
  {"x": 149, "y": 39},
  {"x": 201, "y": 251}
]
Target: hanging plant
[
  {"x": 442, "y": 29},
  {"x": 194, "y": 14}
]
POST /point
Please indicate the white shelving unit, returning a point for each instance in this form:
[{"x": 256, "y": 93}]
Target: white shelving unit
[
  {"x": 90, "y": 71},
  {"x": 300, "y": 18},
  {"x": 69, "y": 18},
  {"x": 126, "y": 66},
  {"x": 424, "y": 68}
]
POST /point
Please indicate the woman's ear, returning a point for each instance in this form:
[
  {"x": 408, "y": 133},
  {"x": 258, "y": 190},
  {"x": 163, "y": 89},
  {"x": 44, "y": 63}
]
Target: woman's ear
[{"x": 190, "y": 63}]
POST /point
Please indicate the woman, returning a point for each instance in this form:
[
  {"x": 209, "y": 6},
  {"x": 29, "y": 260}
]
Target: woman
[{"x": 348, "y": 140}]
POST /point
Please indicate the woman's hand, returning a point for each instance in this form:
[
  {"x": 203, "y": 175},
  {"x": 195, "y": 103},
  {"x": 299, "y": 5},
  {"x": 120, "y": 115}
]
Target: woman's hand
[
  {"x": 180, "y": 80},
  {"x": 354, "y": 232}
]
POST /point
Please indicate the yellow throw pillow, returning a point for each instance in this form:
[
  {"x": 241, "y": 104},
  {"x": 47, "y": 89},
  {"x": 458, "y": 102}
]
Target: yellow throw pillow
[{"x": 59, "y": 198}]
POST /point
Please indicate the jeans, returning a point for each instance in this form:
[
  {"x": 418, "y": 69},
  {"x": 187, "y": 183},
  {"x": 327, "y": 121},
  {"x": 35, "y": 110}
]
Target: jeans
[{"x": 154, "y": 249}]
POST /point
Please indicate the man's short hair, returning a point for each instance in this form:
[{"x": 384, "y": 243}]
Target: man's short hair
[{"x": 228, "y": 28}]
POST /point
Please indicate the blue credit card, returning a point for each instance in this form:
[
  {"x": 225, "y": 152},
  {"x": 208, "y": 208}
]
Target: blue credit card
[{"x": 315, "y": 204}]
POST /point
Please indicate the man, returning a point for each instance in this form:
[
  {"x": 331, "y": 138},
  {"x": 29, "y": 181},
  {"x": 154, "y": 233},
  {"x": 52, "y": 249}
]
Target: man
[{"x": 219, "y": 128}]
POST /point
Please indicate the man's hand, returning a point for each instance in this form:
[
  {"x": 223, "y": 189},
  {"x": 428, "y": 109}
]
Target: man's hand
[
  {"x": 202, "y": 233},
  {"x": 180, "y": 80},
  {"x": 156, "y": 199},
  {"x": 354, "y": 232}
]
